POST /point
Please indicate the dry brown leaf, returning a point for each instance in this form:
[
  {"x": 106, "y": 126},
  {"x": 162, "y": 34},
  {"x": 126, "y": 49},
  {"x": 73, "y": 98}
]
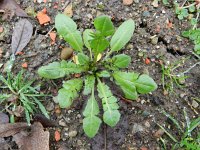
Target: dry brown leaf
[
  {"x": 37, "y": 139},
  {"x": 21, "y": 35},
  {"x": 3, "y": 118},
  {"x": 68, "y": 10},
  {"x": 9, "y": 129},
  {"x": 10, "y": 8}
]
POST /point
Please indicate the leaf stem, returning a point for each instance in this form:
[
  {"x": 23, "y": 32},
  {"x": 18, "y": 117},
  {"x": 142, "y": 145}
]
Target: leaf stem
[{"x": 188, "y": 5}]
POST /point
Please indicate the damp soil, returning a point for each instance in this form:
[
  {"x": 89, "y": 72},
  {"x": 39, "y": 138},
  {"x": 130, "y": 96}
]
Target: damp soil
[{"x": 137, "y": 125}]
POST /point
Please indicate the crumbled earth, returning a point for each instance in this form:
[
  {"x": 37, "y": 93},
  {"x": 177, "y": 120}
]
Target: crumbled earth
[{"x": 154, "y": 38}]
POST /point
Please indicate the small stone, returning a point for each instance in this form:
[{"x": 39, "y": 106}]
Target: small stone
[
  {"x": 137, "y": 128},
  {"x": 62, "y": 123},
  {"x": 129, "y": 46},
  {"x": 195, "y": 104},
  {"x": 154, "y": 40},
  {"x": 127, "y": 2},
  {"x": 73, "y": 133},
  {"x": 66, "y": 53},
  {"x": 50, "y": 106},
  {"x": 147, "y": 124},
  {"x": 182, "y": 95},
  {"x": 136, "y": 1},
  {"x": 79, "y": 142},
  {"x": 140, "y": 54},
  {"x": 146, "y": 14}
]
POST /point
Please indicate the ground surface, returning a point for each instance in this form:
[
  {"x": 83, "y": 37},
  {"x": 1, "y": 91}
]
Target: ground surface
[{"x": 138, "y": 122}]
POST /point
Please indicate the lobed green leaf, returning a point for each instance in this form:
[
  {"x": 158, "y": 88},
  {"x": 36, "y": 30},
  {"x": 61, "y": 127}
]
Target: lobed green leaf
[
  {"x": 89, "y": 84},
  {"x": 111, "y": 114},
  {"x": 83, "y": 59},
  {"x": 121, "y": 60},
  {"x": 57, "y": 70},
  {"x": 69, "y": 92}
]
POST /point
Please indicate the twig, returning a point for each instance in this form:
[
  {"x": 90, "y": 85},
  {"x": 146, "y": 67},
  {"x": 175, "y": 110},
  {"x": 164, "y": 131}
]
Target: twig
[
  {"x": 65, "y": 5},
  {"x": 198, "y": 63},
  {"x": 184, "y": 3},
  {"x": 50, "y": 31}
]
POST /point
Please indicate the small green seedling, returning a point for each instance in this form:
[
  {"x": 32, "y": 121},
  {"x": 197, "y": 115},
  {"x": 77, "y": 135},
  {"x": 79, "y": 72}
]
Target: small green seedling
[
  {"x": 105, "y": 41},
  {"x": 194, "y": 35},
  {"x": 187, "y": 141},
  {"x": 189, "y": 9},
  {"x": 170, "y": 78},
  {"x": 21, "y": 96}
]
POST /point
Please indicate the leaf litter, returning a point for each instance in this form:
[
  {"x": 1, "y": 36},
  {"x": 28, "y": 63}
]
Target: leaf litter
[
  {"x": 21, "y": 35},
  {"x": 26, "y": 137},
  {"x": 10, "y": 8}
]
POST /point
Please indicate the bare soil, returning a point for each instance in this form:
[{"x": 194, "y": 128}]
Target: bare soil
[{"x": 138, "y": 121}]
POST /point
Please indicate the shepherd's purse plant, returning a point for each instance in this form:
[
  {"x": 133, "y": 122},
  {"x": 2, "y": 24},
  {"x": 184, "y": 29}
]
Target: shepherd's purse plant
[{"x": 105, "y": 41}]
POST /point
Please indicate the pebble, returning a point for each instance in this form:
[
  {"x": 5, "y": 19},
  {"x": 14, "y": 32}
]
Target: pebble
[
  {"x": 50, "y": 106},
  {"x": 182, "y": 95},
  {"x": 146, "y": 14},
  {"x": 147, "y": 124},
  {"x": 62, "y": 123},
  {"x": 154, "y": 40},
  {"x": 136, "y": 1},
  {"x": 66, "y": 53},
  {"x": 137, "y": 128},
  {"x": 127, "y": 2},
  {"x": 73, "y": 133},
  {"x": 195, "y": 104}
]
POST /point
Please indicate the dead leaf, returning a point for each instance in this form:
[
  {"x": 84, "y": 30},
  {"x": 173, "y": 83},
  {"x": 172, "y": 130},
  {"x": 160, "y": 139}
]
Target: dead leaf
[
  {"x": 10, "y": 8},
  {"x": 3, "y": 118},
  {"x": 159, "y": 133},
  {"x": 9, "y": 129},
  {"x": 68, "y": 10},
  {"x": 44, "y": 121},
  {"x": 43, "y": 17},
  {"x": 37, "y": 139},
  {"x": 21, "y": 35}
]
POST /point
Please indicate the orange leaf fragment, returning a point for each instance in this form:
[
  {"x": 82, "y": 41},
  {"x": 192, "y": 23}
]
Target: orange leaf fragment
[
  {"x": 57, "y": 136},
  {"x": 1, "y": 29},
  {"x": 53, "y": 37},
  {"x": 43, "y": 17},
  {"x": 25, "y": 65},
  {"x": 147, "y": 61},
  {"x": 169, "y": 24}
]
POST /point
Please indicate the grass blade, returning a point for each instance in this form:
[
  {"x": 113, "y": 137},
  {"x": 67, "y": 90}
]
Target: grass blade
[
  {"x": 173, "y": 120},
  {"x": 171, "y": 136}
]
